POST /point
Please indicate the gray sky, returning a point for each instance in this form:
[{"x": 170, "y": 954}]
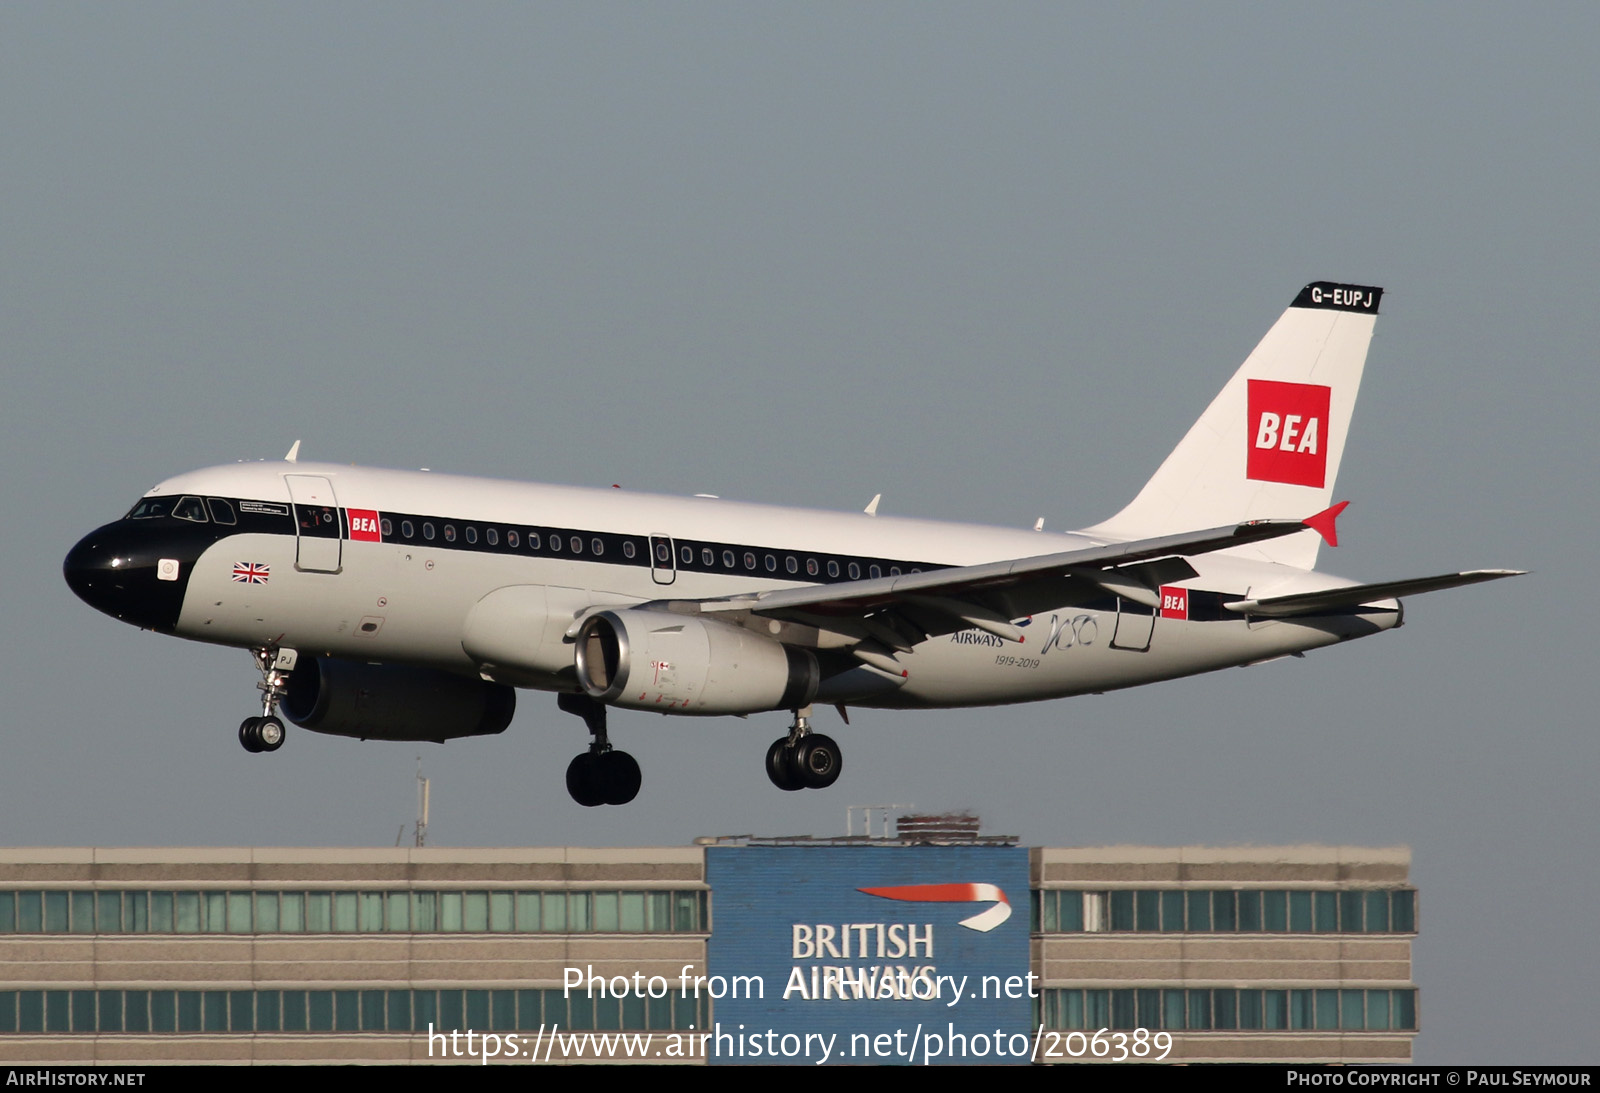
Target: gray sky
[{"x": 990, "y": 261}]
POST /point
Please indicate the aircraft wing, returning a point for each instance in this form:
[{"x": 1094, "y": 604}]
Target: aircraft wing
[
  {"x": 1333, "y": 599},
  {"x": 902, "y": 610}
]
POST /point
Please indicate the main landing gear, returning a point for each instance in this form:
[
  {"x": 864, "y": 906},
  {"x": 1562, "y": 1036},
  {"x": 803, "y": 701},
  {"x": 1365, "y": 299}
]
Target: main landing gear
[
  {"x": 265, "y": 733},
  {"x": 599, "y": 776},
  {"x": 803, "y": 759}
]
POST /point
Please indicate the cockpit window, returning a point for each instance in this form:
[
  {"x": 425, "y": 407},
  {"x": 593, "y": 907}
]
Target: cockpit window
[
  {"x": 190, "y": 508},
  {"x": 221, "y": 511},
  {"x": 150, "y": 508}
]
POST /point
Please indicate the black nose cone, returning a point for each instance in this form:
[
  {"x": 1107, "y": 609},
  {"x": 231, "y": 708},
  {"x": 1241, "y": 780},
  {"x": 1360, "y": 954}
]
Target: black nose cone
[
  {"x": 135, "y": 575},
  {"x": 89, "y": 571}
]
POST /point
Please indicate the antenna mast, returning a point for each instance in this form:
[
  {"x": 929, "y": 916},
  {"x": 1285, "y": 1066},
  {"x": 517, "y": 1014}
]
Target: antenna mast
[{"x": 422, "y": 807}]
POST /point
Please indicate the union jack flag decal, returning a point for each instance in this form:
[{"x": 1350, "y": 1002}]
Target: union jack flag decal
[{"x": 251, "y": 572}]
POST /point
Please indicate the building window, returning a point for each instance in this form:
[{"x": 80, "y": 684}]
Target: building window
[{"x": 1247, "y": 911}]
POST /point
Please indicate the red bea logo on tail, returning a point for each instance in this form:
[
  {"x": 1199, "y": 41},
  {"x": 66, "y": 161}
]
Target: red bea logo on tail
[{"x": 1287, "y": 439}]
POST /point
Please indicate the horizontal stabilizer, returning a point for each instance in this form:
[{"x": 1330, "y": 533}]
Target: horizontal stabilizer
[{"x": 1333, "y": 599}]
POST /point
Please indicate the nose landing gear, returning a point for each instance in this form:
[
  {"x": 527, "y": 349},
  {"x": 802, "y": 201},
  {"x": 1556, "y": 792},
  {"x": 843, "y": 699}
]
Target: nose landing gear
[
  {"x": 601, "y": 775},
  {"x": 265, "y": 733},
  {"x": 259, "y": 734},
  {"x": 804, "y": 759}
]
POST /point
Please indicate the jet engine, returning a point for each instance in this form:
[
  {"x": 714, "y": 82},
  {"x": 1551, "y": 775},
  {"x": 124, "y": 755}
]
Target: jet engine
[
  {"x": 685, "y": 664},
  {"x": 389, "y": 702}
]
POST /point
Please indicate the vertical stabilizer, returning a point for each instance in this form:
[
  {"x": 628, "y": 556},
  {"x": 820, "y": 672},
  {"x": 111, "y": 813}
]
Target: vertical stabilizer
[{"x": 1269, "y": 445}]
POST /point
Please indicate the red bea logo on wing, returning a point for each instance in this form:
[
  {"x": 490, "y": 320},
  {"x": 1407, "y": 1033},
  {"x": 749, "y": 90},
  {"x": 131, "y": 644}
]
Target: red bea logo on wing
[
  {"x": 364, "y": 525},
  {"x": 1288, "y": 433}
]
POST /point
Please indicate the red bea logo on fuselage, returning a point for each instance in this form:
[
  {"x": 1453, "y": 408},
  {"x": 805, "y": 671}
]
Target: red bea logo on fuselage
[
  {"x": 1287, "y": 437},
  {"x": 364, "y": 525},
  {"x": 1174, "y": 602}
]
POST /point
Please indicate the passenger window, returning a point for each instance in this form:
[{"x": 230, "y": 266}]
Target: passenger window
[
  {"x": 190, "y": 508},
  {"x": 727, "y": 559},
  {"x": 749, "y": 560},
  {"x": 791, "y": 565},
  {"x": 471, "y": 533},
  {"x": 221, "y": 511},
  {"x": 772, "y": 564},
  {"x": 662, "y": 554},
  {"x": 596, "y": 547},
  {"x": 708, "y": 557},
  {"x": 894, "y": 571},
  {"x": 555, "y": 543},
  {"x": 427, "y": 530},
  {"x": 876, "y": 571},
  {"x": 576, "y": 544},
  {"x": 687, "y": 554},
  {"x": 449, "y": 533},
  {"x": 407, "y": 530},
  {"x": 386, "y": 527},
  {"x": 533, "y": 540},
  {"x": 491, "y": 536},
  {"x": 513, "y": 540},
  {"x": 855, "y": 572},
  {"x": 833, "y": 568},
  {"x": 628, "y": 549},
  {"x": 811, "y": 567}
]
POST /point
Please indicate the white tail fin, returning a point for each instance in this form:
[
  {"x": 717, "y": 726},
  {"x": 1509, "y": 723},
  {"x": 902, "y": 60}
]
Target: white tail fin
[{"x": 1268, "y": 446}]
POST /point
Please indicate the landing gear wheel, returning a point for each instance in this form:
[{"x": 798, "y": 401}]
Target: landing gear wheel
[
  {"x": 600, "y": 776},
  {"x": 781, "y": 767},
  {"x": 817, "y": 761},
  {"x": 258, "y": 734},
  {"x": 619, "y": 777},
  {"x": 269, "y": 734},
  {"x": 603, "y": 778},
  {"x": 583, "y": 781},
  {"x": 247, "y": 734},
  {"x": 265, "y": 733}
]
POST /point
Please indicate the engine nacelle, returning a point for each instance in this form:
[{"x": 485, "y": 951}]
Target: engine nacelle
[
  {"x": 685, "y": 664},
  {"x": 388, "y": 702}
]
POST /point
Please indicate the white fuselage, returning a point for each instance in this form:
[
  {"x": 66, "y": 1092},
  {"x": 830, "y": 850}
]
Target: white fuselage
[{"x": 409, "y": 599}]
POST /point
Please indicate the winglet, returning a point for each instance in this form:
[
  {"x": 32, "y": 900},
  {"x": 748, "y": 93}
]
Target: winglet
[
  {"x": 872, "y": 506},
  {"x": 1323, "y": 523},
  {"x": 293, "y": 454}
]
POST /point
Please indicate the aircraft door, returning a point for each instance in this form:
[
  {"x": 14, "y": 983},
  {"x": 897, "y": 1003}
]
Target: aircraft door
[
  {"x": 663, "y": 559},
  {"x": 316, "y": 521},
  {"x": 1135, "y": 625}
]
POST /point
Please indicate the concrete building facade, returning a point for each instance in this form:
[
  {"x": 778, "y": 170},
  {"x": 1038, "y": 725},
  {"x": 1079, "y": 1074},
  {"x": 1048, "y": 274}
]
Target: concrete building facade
[{"x": 271, "y": 955}]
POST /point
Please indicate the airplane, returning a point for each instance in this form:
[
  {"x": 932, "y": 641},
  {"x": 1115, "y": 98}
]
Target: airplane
[{"x": 409, "y": 605}]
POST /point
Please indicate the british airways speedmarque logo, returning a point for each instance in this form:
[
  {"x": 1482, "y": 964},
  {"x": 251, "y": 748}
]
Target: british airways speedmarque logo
[
  {"x": 983, "y": 921},
  {"x": 251, "y": 572}
]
